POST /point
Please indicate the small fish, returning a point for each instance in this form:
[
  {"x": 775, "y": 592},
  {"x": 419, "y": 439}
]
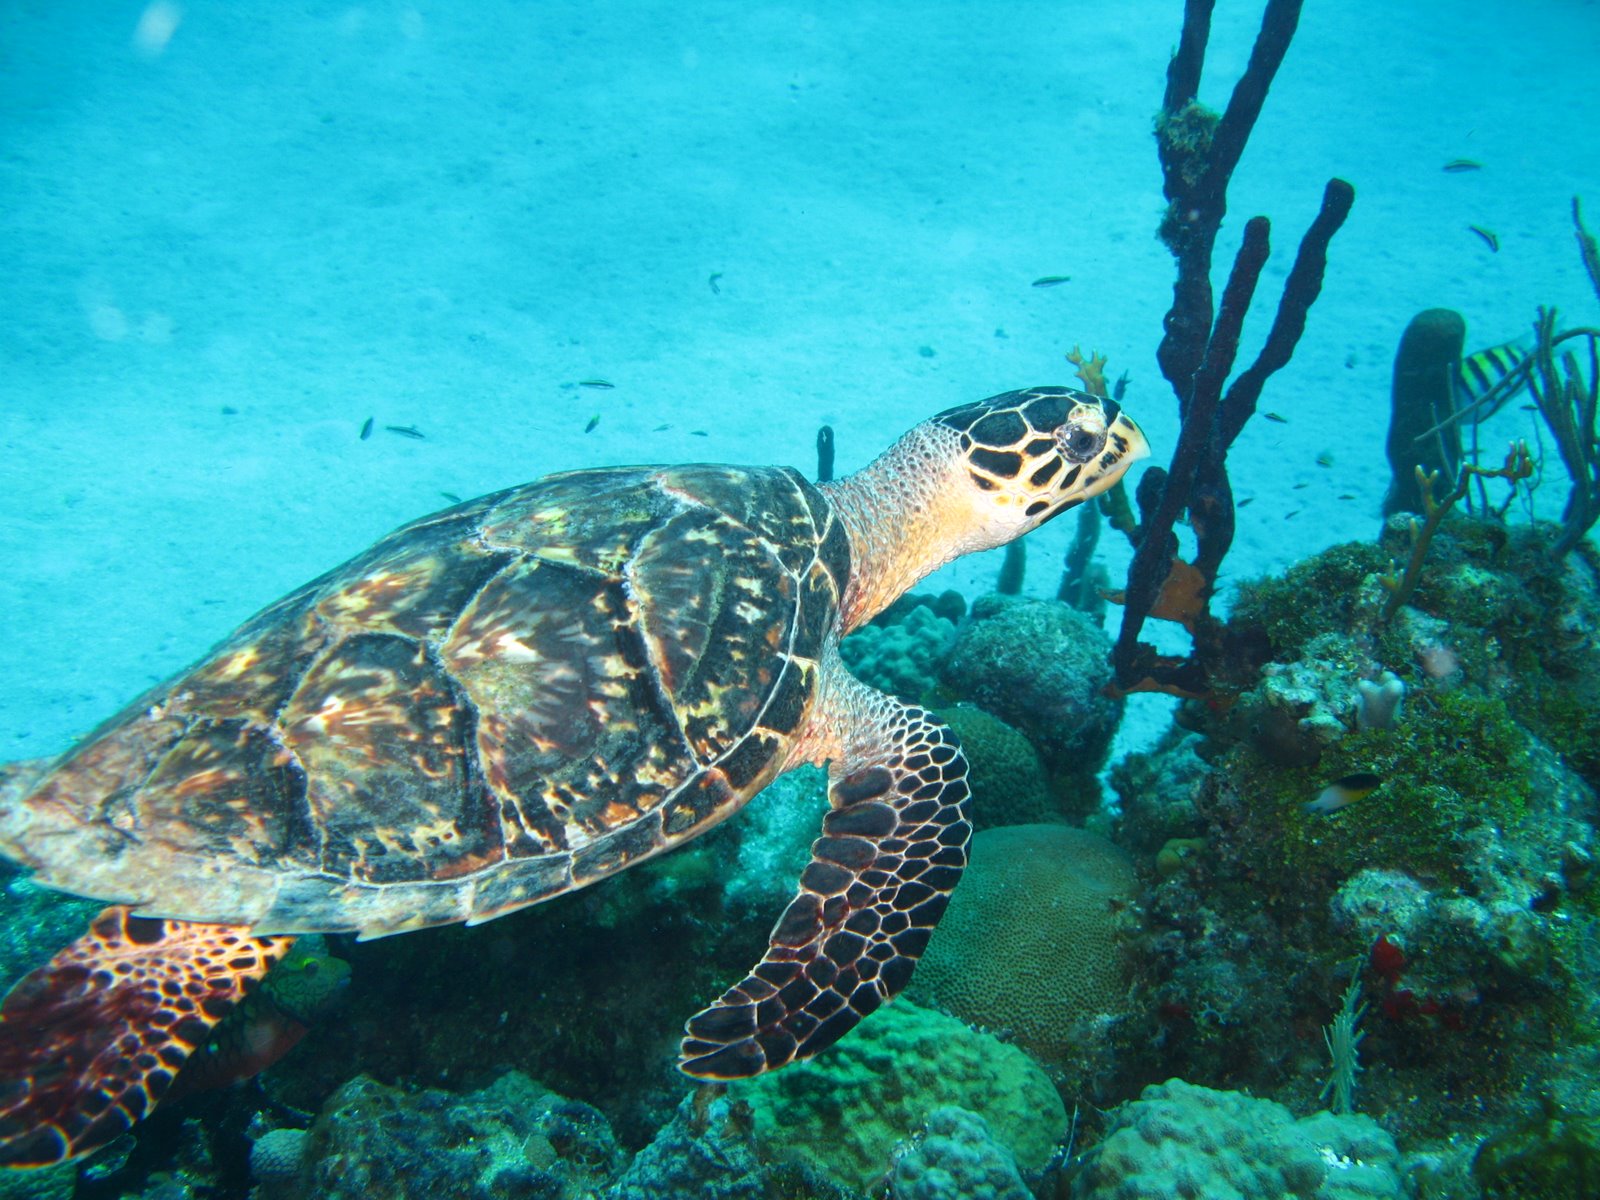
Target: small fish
[
  {"x": 410, "y": 431},
  {"x": 1278, "y": 417},
  {"x": 1457, "y": 165},
  {"x": 1489, "y": 239},
  {"x": 593, "y": 421},
  {"x": 1298, "y": 486},
  {"x": 661, "y": 428},
  {"x": 1343, "y": 792},
  {"x": 1246, "y": 500},
  {"x": 229, "y": 410},
  {"x": 451, "y": 496},
  {"x": 712, "y": 283},
  {"x": 1485, "y": 384},
  {"x": 1325, "y": 459},
  {"x": 699, "y": 433},
  {"x": 1051, "y": 280},
  {"x": 366, "y": 429},
  {"x": 1292, "y": 514},
  {"x": 1119, "y": 388},
  {"x": 1346, "y": 496},
  {"x": 604, "y": 385}
]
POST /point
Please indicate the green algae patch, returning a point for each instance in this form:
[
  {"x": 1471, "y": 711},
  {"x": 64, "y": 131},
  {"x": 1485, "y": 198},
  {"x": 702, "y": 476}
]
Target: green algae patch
[
  {"x": 1454, "y": 760},
  {"x": 846, "y": 1110},
  {"x": 1311, "y": 598}
]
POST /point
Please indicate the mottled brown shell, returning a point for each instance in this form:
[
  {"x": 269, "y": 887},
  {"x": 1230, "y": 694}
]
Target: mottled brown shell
[{"x": 492, "y": 705}]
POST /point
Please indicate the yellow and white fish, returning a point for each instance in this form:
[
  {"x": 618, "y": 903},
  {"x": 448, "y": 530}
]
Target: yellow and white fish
[{"x": 1343, "y": 792}]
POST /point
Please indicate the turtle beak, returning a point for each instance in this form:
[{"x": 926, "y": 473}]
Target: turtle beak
[{"x": 1127, "y": 441}]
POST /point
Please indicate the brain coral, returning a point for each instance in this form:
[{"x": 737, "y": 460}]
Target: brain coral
[
  {"x": 1009, "y": 786},
  {"x": 1029, "y": 945},
  {"x": 846, "y": 1110}
]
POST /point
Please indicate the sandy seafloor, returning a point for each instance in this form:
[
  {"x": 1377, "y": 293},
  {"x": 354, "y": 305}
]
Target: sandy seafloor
[{"x": 232, "y": 232}]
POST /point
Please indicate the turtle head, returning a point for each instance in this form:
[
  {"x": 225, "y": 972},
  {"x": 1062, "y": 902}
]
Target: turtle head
[
  {"x": 972, "y": 478},
  {"x": 1027, "y": 456}
]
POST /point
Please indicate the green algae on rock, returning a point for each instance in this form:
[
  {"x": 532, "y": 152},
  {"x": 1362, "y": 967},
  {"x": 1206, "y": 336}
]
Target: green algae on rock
[
  {"x": 1179, "y": 1139},
  {"x": 846, "y": 1110}
]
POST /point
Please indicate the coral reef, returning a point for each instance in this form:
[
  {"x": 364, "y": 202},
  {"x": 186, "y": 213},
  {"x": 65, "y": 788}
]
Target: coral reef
[
  {"x": 1178, "y": 1139},
  {"x": 901, "y": 653},
  {"x": 956, "y": 1158},
  {"x": 1009, "y": 785},
  {"x": 844, "y": 1111},
  {"x": 510, "y": 1139},
  {"x": 1461, "y": 884},
  {"x": 708, "y": 1151},
  {"x": 1030, "y": 946},
  {"x": 1040, "y": 666},
  {"x": 1552, "y": 1152},
  {"x": 1157, "y": 793},
  {"x": 37, "y": 923}
]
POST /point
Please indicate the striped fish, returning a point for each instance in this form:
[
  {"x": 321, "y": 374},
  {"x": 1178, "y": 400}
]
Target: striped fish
[{"x": 1486, "y": 383}]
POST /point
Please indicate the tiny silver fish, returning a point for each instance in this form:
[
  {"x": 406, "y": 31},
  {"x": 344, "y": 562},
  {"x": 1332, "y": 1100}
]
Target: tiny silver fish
[
  {"x": 366, "y": 429},
  {"x": 1051, "y": 280},
  {"x": 410, "y": 431},
  {"x": 603, "y": 384}
]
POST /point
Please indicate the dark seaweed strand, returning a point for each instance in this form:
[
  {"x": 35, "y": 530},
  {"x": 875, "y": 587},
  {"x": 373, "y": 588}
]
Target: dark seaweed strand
[
  {"x": 1152, "y": 561},
  {"x": 1198, "y": 153},
  {"x": 1196, "y": 167},
  {"x": 1211, "y": 506}
]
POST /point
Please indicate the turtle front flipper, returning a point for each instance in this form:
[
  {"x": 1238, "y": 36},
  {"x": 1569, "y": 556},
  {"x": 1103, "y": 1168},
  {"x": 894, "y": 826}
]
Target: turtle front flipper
[
  {"x": 879, "y": 879},
  {"x": 90, "y": 1042}
]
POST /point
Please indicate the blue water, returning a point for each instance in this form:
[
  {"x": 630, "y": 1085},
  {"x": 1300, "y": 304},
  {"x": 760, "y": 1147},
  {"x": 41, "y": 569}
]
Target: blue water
[{"x": 232, "y": 233}]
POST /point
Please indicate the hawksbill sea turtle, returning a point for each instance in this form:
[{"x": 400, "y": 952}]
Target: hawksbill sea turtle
[{"x": 511, "y": 699}]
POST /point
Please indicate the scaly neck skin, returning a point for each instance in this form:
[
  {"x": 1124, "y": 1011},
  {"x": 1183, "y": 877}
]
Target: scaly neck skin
[{"x": 904, "y": 519}]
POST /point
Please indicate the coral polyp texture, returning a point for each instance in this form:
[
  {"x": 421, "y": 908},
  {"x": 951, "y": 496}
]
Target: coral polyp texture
[
  {"x": 845, "y": 1111},
  {"x": 1030, "y": 946},
  {"x": 956, "y": 1158},
  {"x": 1041, "y": 666},
  {"x": 1180, "y": 1140}
]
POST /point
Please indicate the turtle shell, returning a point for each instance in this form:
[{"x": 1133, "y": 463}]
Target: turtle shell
[{"x": 492, "y": 705}]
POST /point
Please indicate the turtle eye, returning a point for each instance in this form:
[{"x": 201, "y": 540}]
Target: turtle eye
[{"x": 1080, "y": 444}]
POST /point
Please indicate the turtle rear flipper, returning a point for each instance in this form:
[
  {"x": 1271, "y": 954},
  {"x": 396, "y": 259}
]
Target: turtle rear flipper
[
  {"x": 90, "y": 1042},
  {"x": 879, "y": 879}
]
